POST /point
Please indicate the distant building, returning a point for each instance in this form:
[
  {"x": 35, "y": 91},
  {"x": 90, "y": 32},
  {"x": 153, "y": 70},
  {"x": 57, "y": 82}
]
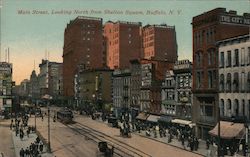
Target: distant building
[
  {"x": 5, "y": 87},
  {"x": 234, "y": 77},
  {"x": 123, "y": 43},
  {"x": 121, "y": 85},
  {"x": 209, "y": 28},
  {"x": 50, "y": 78},
  {"x": 34, "y": 90},
  {"x": 83, "y": 45},
  {"x": 159, "y": 42}
]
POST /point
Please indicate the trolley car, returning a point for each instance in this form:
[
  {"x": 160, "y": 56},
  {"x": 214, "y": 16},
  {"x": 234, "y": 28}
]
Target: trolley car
[{"x": 65, "y": 116}]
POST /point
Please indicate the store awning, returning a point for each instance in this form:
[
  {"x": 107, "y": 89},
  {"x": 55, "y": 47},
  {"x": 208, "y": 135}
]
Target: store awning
[
  {"x": 229, "y": 130},
  {"x": 181, "y": 121},
  {"x": 142, "y": 116},
  {"x": 153, "y": 118},
  {"x": 165, "y": 119}
]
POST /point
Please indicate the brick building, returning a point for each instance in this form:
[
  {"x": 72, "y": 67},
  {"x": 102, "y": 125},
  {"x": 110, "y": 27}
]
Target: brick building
[
  {"x": 208, "y": 28},
  {"x": 123, "y": 43},
  {"x": 83, "y": 44},
  {"x": 159, "y": 42}
]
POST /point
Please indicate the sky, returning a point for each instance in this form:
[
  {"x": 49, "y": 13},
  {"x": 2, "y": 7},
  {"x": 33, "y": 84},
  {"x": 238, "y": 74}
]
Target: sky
[{"x": 29, "y": 36}]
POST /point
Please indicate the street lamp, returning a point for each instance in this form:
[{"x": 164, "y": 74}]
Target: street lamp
[{"x": 48, "y": 97}]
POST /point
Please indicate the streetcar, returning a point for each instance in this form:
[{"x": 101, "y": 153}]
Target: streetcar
[{"x": 65, "y": 116}]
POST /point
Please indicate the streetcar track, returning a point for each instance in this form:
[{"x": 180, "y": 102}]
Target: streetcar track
[{"x": 121, "y": 145}]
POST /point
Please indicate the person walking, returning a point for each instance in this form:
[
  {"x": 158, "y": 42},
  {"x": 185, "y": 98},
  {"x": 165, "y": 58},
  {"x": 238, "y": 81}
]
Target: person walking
[
  {"x": 21, "y": 153},
  {"x": 41, "y": 146}
]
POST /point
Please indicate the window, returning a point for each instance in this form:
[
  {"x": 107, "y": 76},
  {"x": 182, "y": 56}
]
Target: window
[
  {"x": 229, "y": 108},
  {"x": 210, "y": 79},
  {"x": 242, "y": 58},
  {"x": 221, "y": 82},
  {"x": 229, "y": 60},
  {"x": 222, "y": 59},
  {"x": 243, "y": 83},
  {"x": 243, "y": 107},
  {"x": 248, "y": 56},
  {"x": 209, "y": 58},
  {"x": 236, "y": 82},
  {"x": 222, "y": 107},
  {"x": 228, "y": 82},
  {"x": 198, "y": 80},
  {"x": 248, "y": 82},
  {"x": 236, "y": 57},
  {"x": 236, "y": 107}
]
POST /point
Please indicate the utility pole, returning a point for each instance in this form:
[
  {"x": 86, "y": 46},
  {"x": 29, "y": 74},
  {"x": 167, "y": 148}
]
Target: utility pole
[
  {"x": 49, "y": 148},
  {"x": 218, "y": 146}
]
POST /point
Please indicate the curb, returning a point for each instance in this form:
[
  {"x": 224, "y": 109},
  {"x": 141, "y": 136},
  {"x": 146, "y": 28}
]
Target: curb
[{"x": 169, "y": 144}]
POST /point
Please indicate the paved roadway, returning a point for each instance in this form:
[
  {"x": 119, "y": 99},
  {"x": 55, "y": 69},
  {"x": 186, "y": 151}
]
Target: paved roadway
[
  {"x": 6, "y": 142},
  {"x": 69, "y": 143}
]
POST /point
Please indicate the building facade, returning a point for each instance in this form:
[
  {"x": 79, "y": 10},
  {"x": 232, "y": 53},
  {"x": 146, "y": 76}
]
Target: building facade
[
  {"x": 34, "y": 90},
  {"x": 159, "y": 42},
  {"x": 83, "y": 45},
  {"x": 234, "y": 77},
  {"x": 5, "y": 87},
  {"x": 152, "y": 75},
  {"x": 123, "y": 43},
  {"x": 121, "y": 94},
  {"x": 55, "y": 80},
  {"x": 176, "y": 91},
  {"x": 184, "y": 97},
  {"x": 94, "y": 86},
  {"x": 209, "y": 28},
  {"x": 50, "y": 79},
  {"x": 168, "y": 92}
]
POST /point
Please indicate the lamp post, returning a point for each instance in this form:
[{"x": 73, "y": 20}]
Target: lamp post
[{"x": 48, "y": 97}]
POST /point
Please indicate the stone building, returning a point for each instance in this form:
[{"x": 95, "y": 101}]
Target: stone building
[{"x": 234, "y": 77}]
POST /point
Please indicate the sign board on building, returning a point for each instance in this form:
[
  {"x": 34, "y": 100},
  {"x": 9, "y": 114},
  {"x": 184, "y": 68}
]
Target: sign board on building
[{"x": 234, "y": 20}]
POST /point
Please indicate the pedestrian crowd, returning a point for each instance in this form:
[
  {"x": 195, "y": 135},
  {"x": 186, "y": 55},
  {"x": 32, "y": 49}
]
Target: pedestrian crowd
[{"x": 34, "y": 150}]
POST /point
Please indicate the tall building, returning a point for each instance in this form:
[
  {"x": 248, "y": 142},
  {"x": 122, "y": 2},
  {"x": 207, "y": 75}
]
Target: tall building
[
  {"x": 34, "y": 85},
  {"x": 234, "y": 77},
  {"x": 5, "y": 87},
  {"x": 123, "y": 43},
  {"x": 159, "y": 42},
  {"x": 50, "y": 78},
  {"x": 83, "y": 46},
  {"x": 209, "y": 28}
]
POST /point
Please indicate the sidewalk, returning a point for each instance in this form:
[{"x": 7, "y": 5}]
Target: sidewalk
[
  {"x": 201, "y": 150},
  {"x": 25, "y": 142}
]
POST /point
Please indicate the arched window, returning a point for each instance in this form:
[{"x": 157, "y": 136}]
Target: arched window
[
  {"x": 221, "y": 107},
  {"x": 229, "y": 82},
  {"x": 236, "y": 82},
  {"x": 248, "y": 82},
  {"x": 243, "y": 107},
  {"x": 221, "y": 82},
  {"x": 229, "y": 108},
  {"x": 236, "y": 107}
]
